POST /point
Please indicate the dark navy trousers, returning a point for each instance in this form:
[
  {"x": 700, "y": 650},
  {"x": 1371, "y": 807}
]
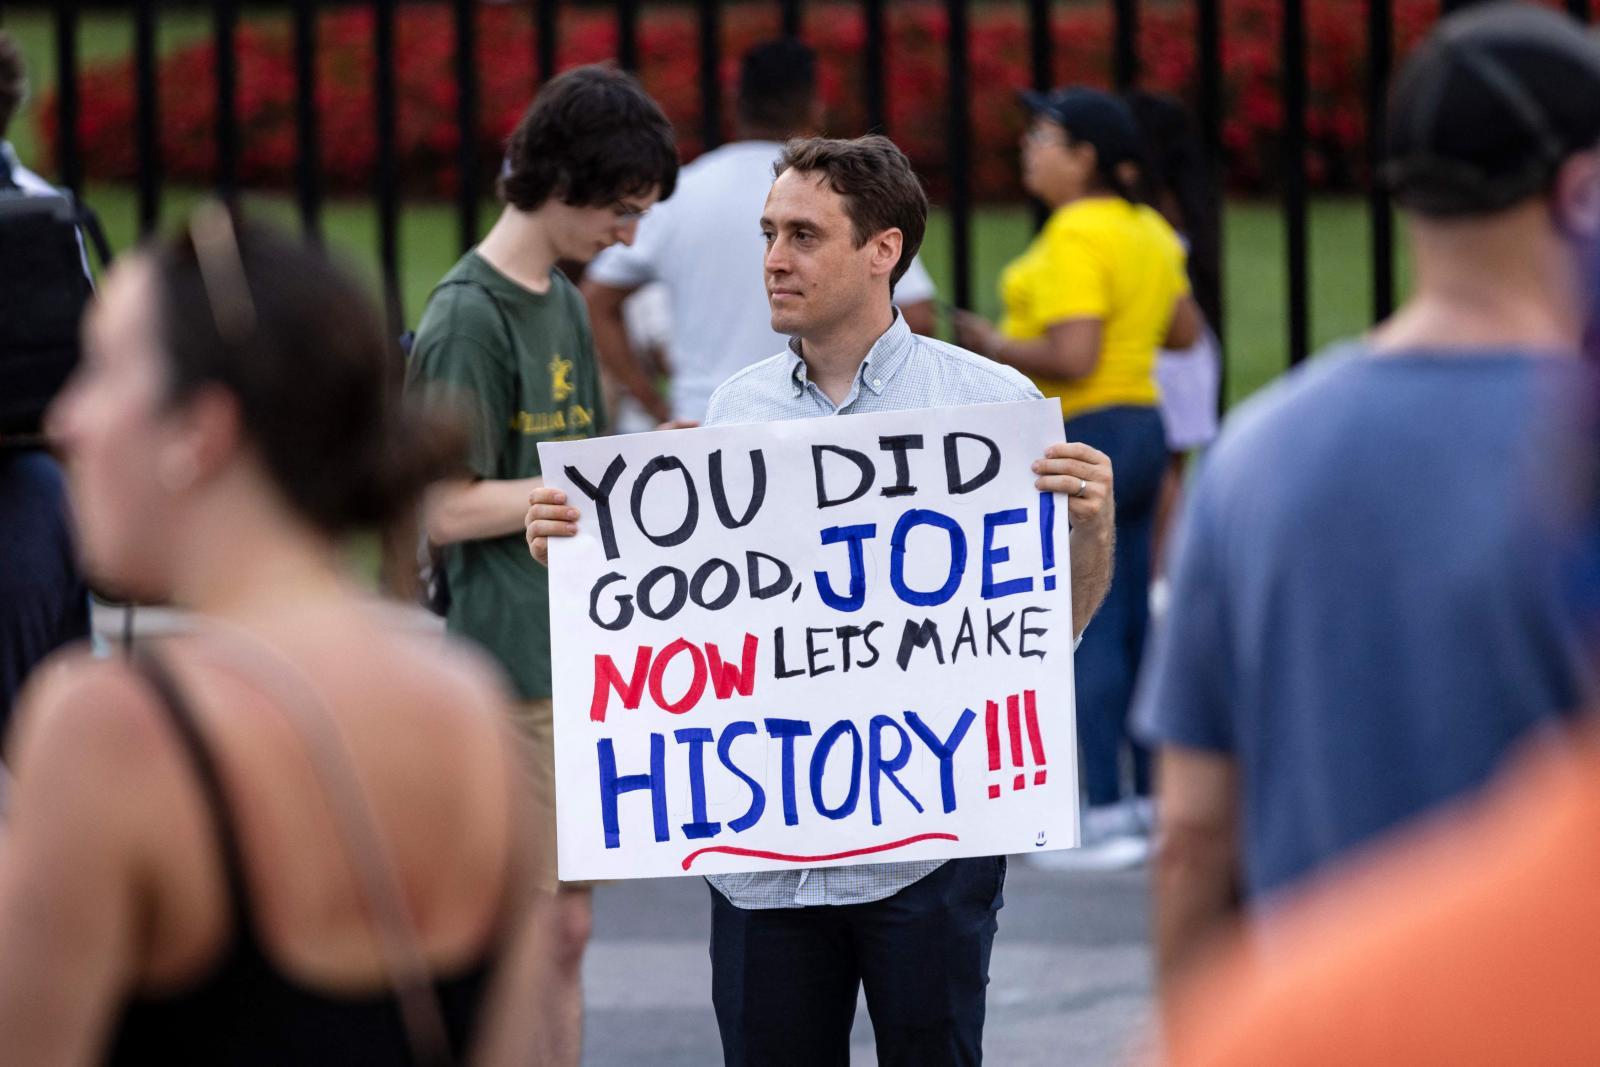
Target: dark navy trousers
[
  {"x": 784, "y": 980},
  {"x": 1107, "y": 663}
]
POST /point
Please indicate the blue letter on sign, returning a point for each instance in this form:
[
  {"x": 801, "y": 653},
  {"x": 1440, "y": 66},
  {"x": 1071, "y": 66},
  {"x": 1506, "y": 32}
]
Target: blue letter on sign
[
  {"x": 897, "y": 557},
  {"x": 612, "y": 786},
  {"x": 852, "y": 536},
  {"x": 819, "y": 762},
  {"x": 993, "y": 590}
]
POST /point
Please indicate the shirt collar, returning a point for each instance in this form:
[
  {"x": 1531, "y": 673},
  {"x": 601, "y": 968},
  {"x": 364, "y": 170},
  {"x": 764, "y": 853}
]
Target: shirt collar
[{"x": 884, "y": 359}]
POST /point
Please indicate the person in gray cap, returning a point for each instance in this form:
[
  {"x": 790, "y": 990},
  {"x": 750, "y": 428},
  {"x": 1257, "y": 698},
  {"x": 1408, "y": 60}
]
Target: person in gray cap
[{"x": 1367, "y": 611}]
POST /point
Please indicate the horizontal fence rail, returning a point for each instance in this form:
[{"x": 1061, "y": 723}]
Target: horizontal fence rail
[{"x": 1125, "y": 67}]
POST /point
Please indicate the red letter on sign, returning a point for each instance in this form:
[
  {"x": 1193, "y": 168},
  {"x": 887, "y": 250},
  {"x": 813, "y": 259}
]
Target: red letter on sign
[
  {"x": 606, "y": 678},
  {"x": 725, "y": 677},
  {"x": 697, "y": 684}
]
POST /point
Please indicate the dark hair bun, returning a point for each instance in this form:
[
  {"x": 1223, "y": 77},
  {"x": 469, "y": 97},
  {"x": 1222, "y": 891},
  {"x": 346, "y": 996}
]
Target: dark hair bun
[{"x": 316, "y": 376}]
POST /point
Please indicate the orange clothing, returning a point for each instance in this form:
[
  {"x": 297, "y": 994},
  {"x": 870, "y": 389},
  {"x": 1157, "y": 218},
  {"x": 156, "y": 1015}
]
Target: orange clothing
[{"x": 1473, "y": 943}]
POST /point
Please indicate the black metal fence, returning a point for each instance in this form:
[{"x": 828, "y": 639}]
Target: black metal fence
[{"x": 1210, "y": 48}]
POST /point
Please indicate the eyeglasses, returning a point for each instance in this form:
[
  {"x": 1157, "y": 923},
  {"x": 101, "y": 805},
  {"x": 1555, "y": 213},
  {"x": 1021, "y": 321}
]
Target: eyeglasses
[
  {"x": 216, "y": 251},
  {"x": 627, "y": 214}
]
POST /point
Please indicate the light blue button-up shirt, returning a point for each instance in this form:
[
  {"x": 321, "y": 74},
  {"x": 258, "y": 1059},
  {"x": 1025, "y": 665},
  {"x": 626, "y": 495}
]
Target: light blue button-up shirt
[{"x": 902, "y": 370}]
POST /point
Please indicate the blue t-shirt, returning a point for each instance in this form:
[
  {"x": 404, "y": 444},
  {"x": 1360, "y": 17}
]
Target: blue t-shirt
[{"x": 1367, "y": 608}]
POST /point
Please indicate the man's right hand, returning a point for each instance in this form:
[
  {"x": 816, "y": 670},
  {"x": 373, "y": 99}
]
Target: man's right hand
[{"x": 548, "y": 516}]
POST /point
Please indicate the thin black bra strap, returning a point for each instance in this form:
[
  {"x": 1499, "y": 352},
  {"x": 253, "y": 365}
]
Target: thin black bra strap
[{"x": 154, "y": 670}]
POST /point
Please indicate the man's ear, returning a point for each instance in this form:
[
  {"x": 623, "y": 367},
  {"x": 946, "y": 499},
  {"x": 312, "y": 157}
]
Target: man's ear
[
  {"x": 886, "y": 247},
  {"x": 1576, "y": 196}
]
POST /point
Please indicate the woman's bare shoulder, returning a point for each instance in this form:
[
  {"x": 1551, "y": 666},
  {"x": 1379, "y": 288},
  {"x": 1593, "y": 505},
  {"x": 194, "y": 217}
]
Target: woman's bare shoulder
[{"x": 92, "y": 720}]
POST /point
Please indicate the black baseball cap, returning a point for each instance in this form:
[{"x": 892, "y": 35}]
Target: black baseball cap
[
  {"x": 1488, "y": 107},
  {"x": 1091, "y": 116}
]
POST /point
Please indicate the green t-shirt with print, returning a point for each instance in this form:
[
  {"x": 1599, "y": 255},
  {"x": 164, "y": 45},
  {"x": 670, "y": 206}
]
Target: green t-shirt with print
[{"x": 522, "y": 367}]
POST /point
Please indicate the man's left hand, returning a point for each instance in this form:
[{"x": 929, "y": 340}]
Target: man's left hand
[{"x": 1083, "y": 474}]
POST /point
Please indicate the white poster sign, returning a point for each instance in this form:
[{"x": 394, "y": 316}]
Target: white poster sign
[{"x": 812, "y": 643}]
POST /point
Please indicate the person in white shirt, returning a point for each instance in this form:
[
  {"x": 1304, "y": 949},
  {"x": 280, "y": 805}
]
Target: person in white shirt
[{"x": 704, "y": 246}]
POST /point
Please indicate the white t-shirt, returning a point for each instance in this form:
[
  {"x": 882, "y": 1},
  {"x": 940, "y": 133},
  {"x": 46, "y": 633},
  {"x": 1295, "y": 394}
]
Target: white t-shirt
[
  {"x": 1189, "y": 380},
  {"x": 705, "y": 244}
]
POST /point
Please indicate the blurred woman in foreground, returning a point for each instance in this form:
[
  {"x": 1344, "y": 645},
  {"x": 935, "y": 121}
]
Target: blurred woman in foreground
[{"x": 288, "y": 837}]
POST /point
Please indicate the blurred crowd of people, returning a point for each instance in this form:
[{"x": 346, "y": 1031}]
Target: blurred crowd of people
[{"x": 1355, "y": 755}]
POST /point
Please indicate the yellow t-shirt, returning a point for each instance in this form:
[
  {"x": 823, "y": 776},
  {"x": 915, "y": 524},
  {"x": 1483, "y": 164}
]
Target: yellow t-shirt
[{"x": 1107, "y": 259}]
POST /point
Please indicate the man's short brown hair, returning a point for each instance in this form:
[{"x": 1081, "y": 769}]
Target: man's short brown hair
[
  {"x": 880, "y": 189},
  {"x": 13, "y": 81}
]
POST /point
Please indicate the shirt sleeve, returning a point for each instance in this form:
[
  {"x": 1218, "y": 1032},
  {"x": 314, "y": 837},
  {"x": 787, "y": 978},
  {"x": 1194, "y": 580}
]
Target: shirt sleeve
[
  {"x": 630, "y": 266},
  {"x": 452, "y": 365},
  {"x": 1185, "y": 696},
  {"x": 1072, "y": 282}
]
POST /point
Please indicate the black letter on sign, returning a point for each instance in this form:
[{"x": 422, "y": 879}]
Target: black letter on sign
[
  {"x": 861, "y": 461},
  {"x": 702, "y": 577},
  {"x": 624, "y": 604},
  {"x": 902, "y": 467},
  {"x": 752, "y": 562},
  {"x": 916, "y": 636},
  {"x": 952, "y": 463},
  {"x": 601, "y": 495},
  {"x": 691, "y": 511},
  {"x": 758, "y": 489},
  {"x": 680, "y": 592}
]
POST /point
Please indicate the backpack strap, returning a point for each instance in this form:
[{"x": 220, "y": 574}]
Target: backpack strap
[{"x": 89, "y": 224}]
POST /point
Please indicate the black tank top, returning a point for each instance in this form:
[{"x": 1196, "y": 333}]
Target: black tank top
[{"x": 244, "y": 1010}]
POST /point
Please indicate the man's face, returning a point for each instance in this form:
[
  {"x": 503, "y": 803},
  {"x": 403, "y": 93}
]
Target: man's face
[
  {"x": 581, "y": 233},
  {"x": 816, "y": 276}
]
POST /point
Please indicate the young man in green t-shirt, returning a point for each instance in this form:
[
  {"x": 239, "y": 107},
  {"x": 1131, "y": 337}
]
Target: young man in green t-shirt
[{"x": 506, "y": 336}]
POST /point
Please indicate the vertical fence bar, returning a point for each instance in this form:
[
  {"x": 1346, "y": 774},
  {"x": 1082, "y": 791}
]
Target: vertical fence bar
[
  {"x": 1041, "y": 46},
  {"x": 875, "y": 60},
  {"x": 388, "y": 184},
  {"x": 307, "y": 163},
  {"x": 148, "y": 119},
  {"x": 545, "y": 37},
  {"x": 1125, "y": 64},
  {"x": 790, "y": 21},
  {"x": 1041, "y": 64},
  {"x": 1208, "y": 42},
  {"x": 960, "y": 157},
  {"x": 1380, "y": 54},
  {"x": 467, "y": 122},
  {"x": 1294, "y": 176},
  {"x": 710, "y": 73},
  {"x": 66, "y": 27},
  {"x": 225, "y": 24},
  {"x": 628, "y": 34}
]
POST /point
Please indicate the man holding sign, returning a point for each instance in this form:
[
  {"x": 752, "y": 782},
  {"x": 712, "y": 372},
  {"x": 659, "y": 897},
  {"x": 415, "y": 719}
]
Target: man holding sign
[{"x": 793, "y": 943}]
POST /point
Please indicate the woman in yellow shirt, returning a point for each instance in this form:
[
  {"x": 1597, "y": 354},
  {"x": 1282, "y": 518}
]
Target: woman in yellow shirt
[{"x": 1100, "y": 290}]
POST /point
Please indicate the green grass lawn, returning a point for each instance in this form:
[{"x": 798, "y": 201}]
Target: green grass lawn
[{"x": 1255, "y": 278}]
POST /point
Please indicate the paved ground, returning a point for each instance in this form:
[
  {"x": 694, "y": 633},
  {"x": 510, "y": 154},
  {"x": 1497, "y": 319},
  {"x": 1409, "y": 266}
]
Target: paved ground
[{"x": 1070, "y": 981}]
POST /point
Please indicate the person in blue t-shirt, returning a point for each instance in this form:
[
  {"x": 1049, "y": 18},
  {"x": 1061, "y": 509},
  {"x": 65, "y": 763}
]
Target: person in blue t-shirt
[{"x": 1367, "y": 603}]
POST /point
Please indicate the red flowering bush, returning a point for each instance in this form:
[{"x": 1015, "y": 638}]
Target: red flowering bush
[{"x": 915, "y": 69}]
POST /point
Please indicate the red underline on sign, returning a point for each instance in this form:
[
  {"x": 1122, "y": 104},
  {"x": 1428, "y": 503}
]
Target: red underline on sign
[{"x": 784, "y": 857}]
